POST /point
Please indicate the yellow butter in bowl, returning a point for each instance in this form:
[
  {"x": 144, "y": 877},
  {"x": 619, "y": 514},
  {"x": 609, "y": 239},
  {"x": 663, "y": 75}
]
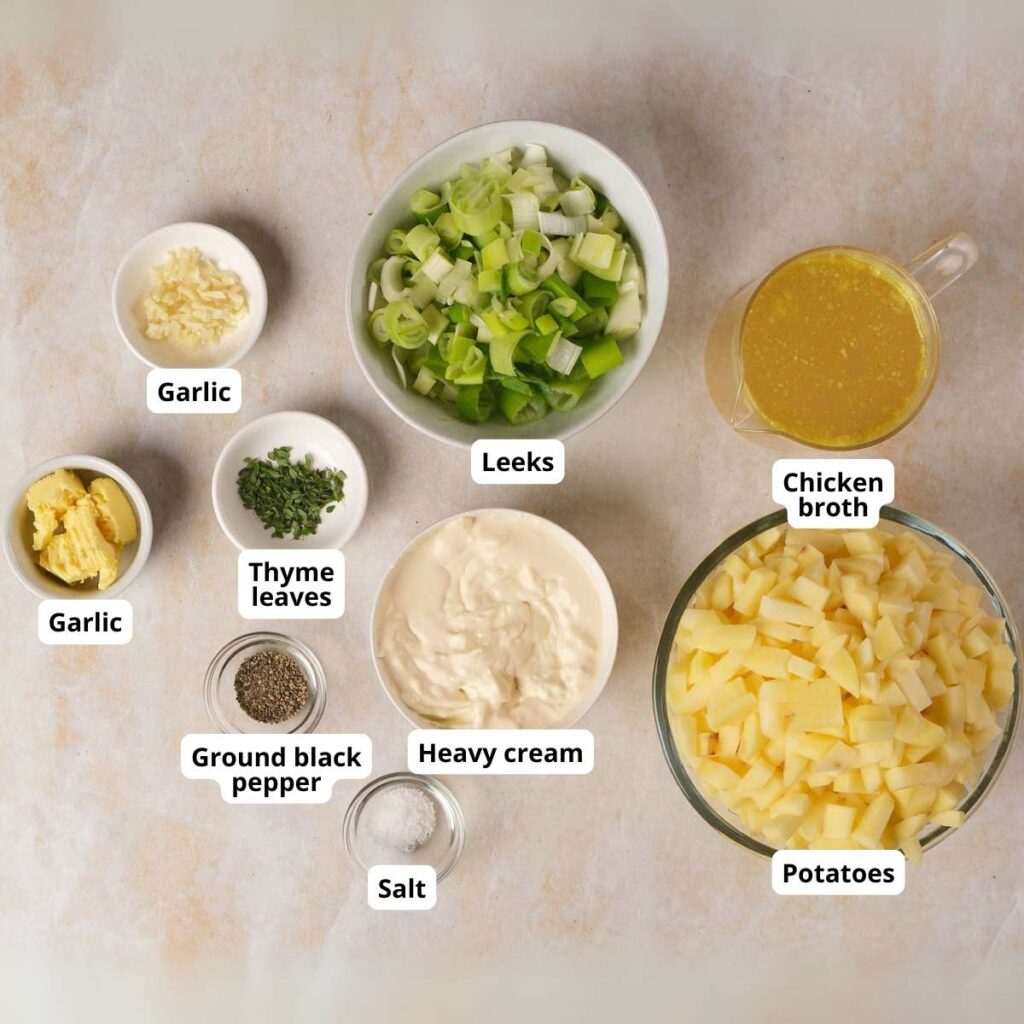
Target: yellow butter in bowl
[{"x": 79, "y": 534}]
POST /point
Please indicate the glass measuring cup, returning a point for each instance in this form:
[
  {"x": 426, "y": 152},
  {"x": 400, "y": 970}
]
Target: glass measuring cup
[{"x": 923, "y": 278}]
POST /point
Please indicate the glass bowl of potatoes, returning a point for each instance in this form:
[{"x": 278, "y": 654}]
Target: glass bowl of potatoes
[{"x": 831, "y": 689}]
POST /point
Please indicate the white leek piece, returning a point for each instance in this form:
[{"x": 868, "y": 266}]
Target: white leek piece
[
  {"x": 422, "y": 292},
  {"x": 525, "y": 210},
  {"x": 372, "y": 298},
  {"x": 579, "y": 200},
  {"x": 425, "y": 380},
  {"x": 533, "y": 153},
  {"x": 562, "y": 355},
  {"x": 559, "y": 224},
  {"x": 460, "y": 273},
  {"x": 626, "y": 315},
  {"x": 392, "y": 284},
  {"x": 436, "y": 266}
]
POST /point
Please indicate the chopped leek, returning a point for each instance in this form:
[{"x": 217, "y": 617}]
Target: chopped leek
[
  {"x": 563, "y": 355},
  {"x": 624, "y": 318},
  {"x": 559, "y": 224},
  {"x": 395, "y": 244},
  {"x": 475, "y": 404},
  {"x": 427, "y": 205},
  {"x": 405, "y": 325},
  {"x": 510, "y": 288},
  {"x": 392, "y": 283},
  {"x": 601, "y": 356},
  {"x": 502, "y": 351},
  {"x": 422, "y": 240},
  {"x": 424, "y": 382},
  {"x": 518, "y": 408},
  {"x": 436, "y": 266},
  {"x": 476, "y": 204},
  {"x": 520, "y": 278}
]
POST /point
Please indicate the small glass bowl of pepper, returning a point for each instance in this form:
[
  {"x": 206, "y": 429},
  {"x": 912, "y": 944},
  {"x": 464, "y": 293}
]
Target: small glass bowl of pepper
[{"x": 254, "y": 685}]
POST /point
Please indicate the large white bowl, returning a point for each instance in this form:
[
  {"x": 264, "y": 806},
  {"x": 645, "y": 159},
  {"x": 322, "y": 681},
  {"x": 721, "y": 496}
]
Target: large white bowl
[
  {"x": 18, "y": 531},
  {"x": 573, "y": 153},
  {"x": 610, "y": 616},
  {"x": 134, "y": 279},
  {"x": 306, "y": 432}
]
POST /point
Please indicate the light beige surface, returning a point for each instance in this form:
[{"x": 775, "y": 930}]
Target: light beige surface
[{"x": 114, "y": 863}]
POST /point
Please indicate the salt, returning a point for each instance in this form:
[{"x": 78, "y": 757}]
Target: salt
[{"x": 402, "y": 818}]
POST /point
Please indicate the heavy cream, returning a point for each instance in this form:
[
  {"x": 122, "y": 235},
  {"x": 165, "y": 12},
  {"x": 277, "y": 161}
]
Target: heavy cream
[{"x": 494, "y": 619}]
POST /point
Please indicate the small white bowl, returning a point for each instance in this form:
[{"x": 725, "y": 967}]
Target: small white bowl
[
  {"x": 18, "y": 531},
  {"x": 573, "y": 153},
  {"x": 609, "y": 614},
  {"x": 330, "y": 447},
  {"x": 134, "y": 278}
]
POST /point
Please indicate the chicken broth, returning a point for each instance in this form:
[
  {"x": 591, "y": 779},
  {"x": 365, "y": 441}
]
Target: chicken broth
[{"x": 834, "y": 348}]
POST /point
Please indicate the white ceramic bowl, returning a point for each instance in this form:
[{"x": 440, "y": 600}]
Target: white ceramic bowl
[
  {"x": 593, "y": 568},
  {"x": 18, "y": 531},
  {"x": 573, "y": 153},
  {"x": 329, "y": 445},
  {"x": 134, "y": 279}
]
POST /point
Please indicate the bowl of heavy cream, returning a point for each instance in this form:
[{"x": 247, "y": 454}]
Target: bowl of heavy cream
[{"x": 494, "y": 619}]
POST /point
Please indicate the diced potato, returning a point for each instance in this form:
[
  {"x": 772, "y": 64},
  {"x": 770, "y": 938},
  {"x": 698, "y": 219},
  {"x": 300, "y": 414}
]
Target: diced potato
[
  {"x": 769, "y": 662},
  {"x": 821, "y": 704},
  {"x": 721, "y": 591},
  {"x": 781, "y": 610},
  {"x": 721, "y": 637},
  {"x": 809, "y": 593},
  {"x": 860, "y": 598},
  {"x": 885, "y": 639},
  {"x": 752, "y": 590},
  {"x": 873, "y": 821},
  {"x": 912, "y": 775},
  {"x": 838, "y": 821},
  {"x": 842, "y": 669}
]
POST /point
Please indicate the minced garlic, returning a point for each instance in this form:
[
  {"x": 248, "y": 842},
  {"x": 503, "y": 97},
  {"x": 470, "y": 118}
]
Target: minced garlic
[{"x": 192, "y": 300}]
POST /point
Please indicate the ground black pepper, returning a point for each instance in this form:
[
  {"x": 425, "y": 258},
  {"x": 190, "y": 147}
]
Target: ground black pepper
[{"x": 271, "y": 687}]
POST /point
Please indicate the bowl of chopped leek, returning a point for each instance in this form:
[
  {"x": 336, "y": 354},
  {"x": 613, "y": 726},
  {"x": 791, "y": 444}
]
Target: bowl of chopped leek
[{"x": 511, "y": 283}]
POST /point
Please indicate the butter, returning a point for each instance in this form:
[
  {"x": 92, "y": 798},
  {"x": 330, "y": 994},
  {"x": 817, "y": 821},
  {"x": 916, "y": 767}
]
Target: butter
[
  {"x": 116, "y": 518},
  {"x": 79, "y": 534},
  {"x": 48, "y": 501}
]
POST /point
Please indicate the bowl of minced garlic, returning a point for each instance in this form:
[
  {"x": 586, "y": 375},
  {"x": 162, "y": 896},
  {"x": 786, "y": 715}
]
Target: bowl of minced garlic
[
  {"x": 77, "y": 526},
  {"x": 189, "y": 296}
]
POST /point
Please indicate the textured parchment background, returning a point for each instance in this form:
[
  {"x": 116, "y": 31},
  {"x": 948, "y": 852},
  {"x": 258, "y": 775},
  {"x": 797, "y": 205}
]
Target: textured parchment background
[{"x": 126, "y": 889}]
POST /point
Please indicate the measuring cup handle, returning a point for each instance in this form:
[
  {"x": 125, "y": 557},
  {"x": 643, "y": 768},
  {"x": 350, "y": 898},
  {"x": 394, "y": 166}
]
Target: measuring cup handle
[{"x": 945, "y": 262}]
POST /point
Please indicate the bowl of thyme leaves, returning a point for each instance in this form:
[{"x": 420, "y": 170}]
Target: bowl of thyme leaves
[{"x": 290, "y": 479}]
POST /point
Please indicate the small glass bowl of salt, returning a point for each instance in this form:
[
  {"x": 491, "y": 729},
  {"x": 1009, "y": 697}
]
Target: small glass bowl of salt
[{"x": 405, "y": 819}]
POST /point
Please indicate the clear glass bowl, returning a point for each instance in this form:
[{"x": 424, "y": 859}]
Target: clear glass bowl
[
  {"x": 219, "y": 691},
  {"x": 441, "y": 851},
  {"x": 966, "y": 566}
]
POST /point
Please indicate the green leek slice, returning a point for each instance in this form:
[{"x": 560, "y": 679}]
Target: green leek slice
[
  {"x": 601, "y": 356},
  {"x": 502, "y": 351},
  {"x": 475, "y": 404},
  {"x": 405, "y": 325},
  {"x": 476, "y": 204},
  {"x": 518, "y": 408}
]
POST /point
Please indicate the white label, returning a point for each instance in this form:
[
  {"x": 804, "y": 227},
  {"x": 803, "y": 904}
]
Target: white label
[
  {"x": 276, "y": 583},
  {"x": 192, "y": 391},
  {"x": 501, "y": 751},
  {"x": 269, "y": 768},
  {"x": 517, "y": 462},
  {"x": 838, "y": 872},
  {"x": 829, "y": 494},
  {"x": 401, "y": 887},
  {"x": 99, "y": 621}
]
